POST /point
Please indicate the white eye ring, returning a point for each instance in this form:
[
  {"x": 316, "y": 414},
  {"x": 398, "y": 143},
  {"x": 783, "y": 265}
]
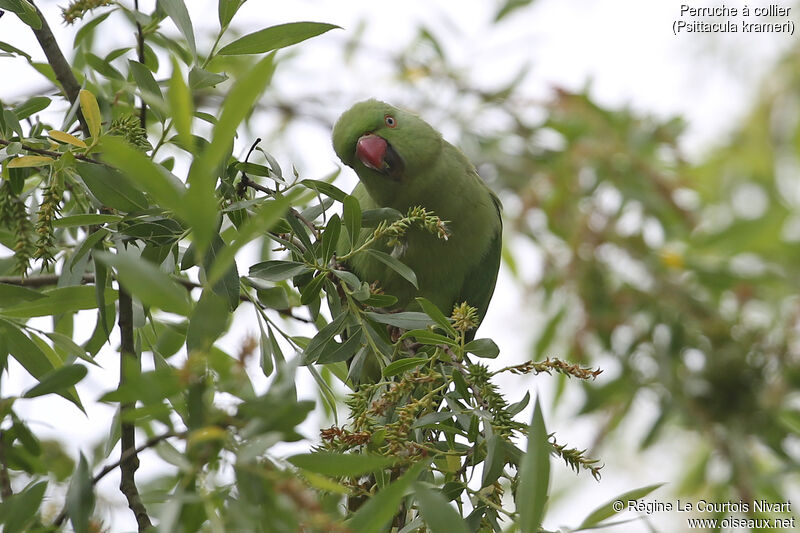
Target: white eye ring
[{"x": 390, "y": 121}]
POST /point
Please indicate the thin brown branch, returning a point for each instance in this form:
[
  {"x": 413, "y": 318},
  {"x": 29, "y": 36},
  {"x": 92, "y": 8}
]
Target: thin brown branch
[
  {"x": 5, "y": 481},
  {"x": 129, "y": 459},
  {"x": 61, "y": 68},
  {"x": 151, "y": 442},
  {"x": 51, "y": 153},
  {"x": 129, "y": 366},
  {"x": 47, "y": 280},
  {"x": 247, "y": 182},
  {"x": 140, "y": 54}
]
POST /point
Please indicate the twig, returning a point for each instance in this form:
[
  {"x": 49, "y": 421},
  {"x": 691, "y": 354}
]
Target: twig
[
  {"x": 5, "y": 482},
  {"x": 46, "y": 280},
  {"x": 151, "y": 442},
  {"x": 130, "y": 365},
  {"x": 51, "y": 153},
  {"x": 61, "y": 68},
  {"x": 129, "y": 461},
  {"x": 141, "y": 59},
  {"x": 247, "y": 182}
]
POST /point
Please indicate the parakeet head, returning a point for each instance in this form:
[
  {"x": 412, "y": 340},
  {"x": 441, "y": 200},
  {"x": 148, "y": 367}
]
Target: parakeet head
[{"x": 384, "y": 144}]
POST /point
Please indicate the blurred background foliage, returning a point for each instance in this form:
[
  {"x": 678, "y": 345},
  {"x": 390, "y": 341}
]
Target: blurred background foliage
[{"x": 679, "y": 278}]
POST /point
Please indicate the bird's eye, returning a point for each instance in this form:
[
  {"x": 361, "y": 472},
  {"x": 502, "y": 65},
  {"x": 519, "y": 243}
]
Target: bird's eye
[{"x": 390, "y": 121}]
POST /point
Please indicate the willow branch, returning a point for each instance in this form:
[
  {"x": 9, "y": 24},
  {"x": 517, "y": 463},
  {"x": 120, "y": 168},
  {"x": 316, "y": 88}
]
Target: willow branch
[
  {"x": 51, "y": 153},
  {"x": 130, "y": 366},
  {"x": 151, "y": 442},
  {"x": 47, "y": 280},
  {"x": 5, "y": 480},
  {"x": 247, "y": 182},
  {"x": 61, "y": 68}
]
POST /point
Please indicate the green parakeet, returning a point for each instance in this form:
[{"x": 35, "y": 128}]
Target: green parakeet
[{"x": 403, "y": 162}]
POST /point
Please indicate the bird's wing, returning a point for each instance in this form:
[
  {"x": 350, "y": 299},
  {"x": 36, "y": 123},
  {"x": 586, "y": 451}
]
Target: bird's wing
[{"x": 480, "y": 280}]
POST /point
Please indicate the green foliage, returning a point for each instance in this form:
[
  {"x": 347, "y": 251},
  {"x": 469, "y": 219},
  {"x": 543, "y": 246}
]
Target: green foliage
[
  {"x": 100, "y": 200},
  {"x": 132, "y": 207}
]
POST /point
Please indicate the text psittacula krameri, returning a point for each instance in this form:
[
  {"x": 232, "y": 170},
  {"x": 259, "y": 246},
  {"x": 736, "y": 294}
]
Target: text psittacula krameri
[{"x": 403, "y": 162}]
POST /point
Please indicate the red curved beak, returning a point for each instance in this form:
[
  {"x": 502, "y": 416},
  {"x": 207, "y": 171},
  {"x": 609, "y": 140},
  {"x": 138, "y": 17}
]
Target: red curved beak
[{"x": 371, "y": 150}]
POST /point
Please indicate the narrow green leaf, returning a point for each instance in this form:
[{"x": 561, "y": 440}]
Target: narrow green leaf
[
  {"x": 31, "y": 106},
  {"x": 267, "y": 214},
  {"x": 534, "y": 475},
  {"x": 66, "y": 138},
  {"x": 22, "y": 509},
  {"x": 58, "y": 380},
  {"x": 509, "y": 6},
  {"x": 380, "y": 300},
  {"x": 181, "y": 106},
  {"x": 69, "y": 393},
  {"x": 495, "y": 460},
  {"x": 176, "y": 10},
  {"x": 607, "y": 510},
  {"x": 349, "y": 278},
  {"x": 91, "y": 112},
  {"x": 380, "y": 508},
  {"x": 326, "y": 188},
  {"x": 323, "y": 337},
  {"x": 254, "y": 169},
  {"x": 201, "y": 79},
  {"x": 14, "y": 50},
  {"x": 201, "y": 198},
  {"x": 237, "y": 105},
  {"x": 103, "y": 67},
  {"x": 405, "y": 320},
  {"x": 226, "y": 10},
  {"x": 208, "y": 321},
  {"x": 27, "y": 161},
  {"x": 340, "y": 464},
  {"x": 147, "y": 84},
  {"x": 273, "y": 297},
  {"x": 336, "y": 352},
  {"x": 87, "y": 29},
  {"x": 426, "y": 336},
  {"x": 439, "y": 515},
  {"x": 275, "y": 37},
  {"x": 432, "y": 311},
  {"x": 351, "y": 213},
  {"x": 92, "y": 240},
  {"x": 517, "y": 407},
  {"x": 140, "y": 169},
  {"x": 403, "y": 365},
  {"x": 311, "y": 291},
  {"x": 276, "y": 270},
  {"x": 59, "y": 300},
  {"x": 227, "y": 286},
  {"x": 111, "y": 187},
  {"x": 80, "y": 497},
  {"x": 147, "y": 282},
  {"x": 372, "y": 217},
  {"x": 485, "y": 348},
  {"x": 24, "y": 350},
  {"x": 24, "y": 10},
  {"x": 68, "y": 346},
  {"x": 149, "y": 89},
  {"x": 330, "y": 237},
  {"x": 404, "y": 271},
  {"x": 267, "y": 364},
  {"x": 11, "y": 295},
  {"x": 89, "y": 219}
]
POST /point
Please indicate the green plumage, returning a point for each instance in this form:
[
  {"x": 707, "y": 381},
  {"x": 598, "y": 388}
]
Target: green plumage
[{"x": 403, "y": 162}]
